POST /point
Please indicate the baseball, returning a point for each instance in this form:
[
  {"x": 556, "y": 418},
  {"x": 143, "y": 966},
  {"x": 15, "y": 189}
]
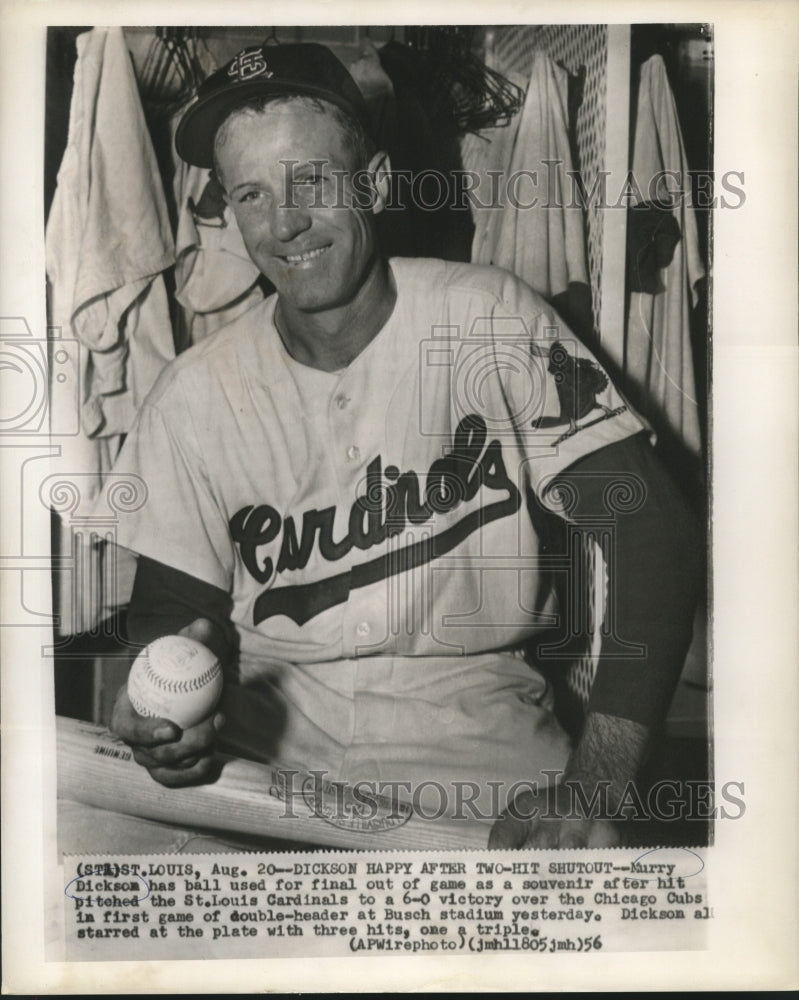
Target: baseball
[{"x": 175, "y": 678}]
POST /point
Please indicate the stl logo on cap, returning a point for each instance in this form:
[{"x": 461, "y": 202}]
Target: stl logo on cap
[{"x": 248, "y": 64}]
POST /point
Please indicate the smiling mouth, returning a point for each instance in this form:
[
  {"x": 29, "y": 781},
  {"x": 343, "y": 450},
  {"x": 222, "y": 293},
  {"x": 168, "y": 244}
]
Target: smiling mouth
[{"x": 301, "y": 258}]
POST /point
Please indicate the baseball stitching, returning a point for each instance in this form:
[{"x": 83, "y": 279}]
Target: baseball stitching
[{"x": 174, "y": 686}]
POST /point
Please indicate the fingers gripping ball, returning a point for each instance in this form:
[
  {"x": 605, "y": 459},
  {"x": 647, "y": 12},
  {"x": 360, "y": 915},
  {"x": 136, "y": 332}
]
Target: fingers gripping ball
[{"x": 175, "y": 678}]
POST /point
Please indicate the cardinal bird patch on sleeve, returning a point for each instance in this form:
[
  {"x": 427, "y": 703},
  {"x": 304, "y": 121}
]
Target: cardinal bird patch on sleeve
[{"x": 578, "y": 382}]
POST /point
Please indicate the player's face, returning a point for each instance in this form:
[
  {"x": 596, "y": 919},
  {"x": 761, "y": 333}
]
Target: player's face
[{"x": 283, "y": 172}]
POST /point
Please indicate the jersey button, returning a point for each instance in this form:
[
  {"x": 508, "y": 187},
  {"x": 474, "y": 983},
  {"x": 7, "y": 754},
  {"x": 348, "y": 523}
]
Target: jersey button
[
  {"x": 353, "y": 452},
  {"x": 363, "y": 628},
  {"x": 342, "y": 401}
]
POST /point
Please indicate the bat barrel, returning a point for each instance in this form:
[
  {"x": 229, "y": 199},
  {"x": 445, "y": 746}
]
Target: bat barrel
[{"x": 96, "y": 768}]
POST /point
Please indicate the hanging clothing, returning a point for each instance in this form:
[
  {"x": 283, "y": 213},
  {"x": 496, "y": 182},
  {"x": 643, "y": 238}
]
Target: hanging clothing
[
  {"x": 652, "y": 237},
  {"x": 107, "y": 241},
  {"x": 537, "y": 230},
  {"x": 658, "y": 360},
  {"x": 215, "y": 279},
  {"x": 488, "y": 154},
  {"x": 373, "y": 82},
  {"x": 427, "y": 215}
]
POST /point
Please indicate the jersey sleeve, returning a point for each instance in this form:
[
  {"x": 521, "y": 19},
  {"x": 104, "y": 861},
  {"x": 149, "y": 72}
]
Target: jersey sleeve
[
  {"x": 563, "y": 402},
  {"x": 179, "y": 523}
]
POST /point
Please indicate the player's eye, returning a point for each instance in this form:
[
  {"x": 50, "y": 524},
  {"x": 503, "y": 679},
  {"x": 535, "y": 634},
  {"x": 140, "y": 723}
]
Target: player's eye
[{"x": 248, "y": 196}]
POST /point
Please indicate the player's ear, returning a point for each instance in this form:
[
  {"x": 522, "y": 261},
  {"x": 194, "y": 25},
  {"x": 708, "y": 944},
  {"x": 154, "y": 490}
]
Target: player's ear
[{"x": 379, "y": 169}]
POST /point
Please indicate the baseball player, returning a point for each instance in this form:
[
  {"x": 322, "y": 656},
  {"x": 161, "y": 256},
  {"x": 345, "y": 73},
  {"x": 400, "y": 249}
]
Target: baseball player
[{"x": 350, "y": 488}]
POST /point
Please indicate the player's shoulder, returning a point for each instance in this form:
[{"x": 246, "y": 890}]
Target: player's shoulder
[
  {"x": 495, "y": 284},
  {"x": 493, "y": 287},
  {"x": 219, "y": 358}
]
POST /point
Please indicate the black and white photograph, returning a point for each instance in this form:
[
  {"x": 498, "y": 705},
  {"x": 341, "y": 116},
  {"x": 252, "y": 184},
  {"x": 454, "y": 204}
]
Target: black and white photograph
[
  {"x": 385, "y": 500},
  {"x": 370, "y": 444}
]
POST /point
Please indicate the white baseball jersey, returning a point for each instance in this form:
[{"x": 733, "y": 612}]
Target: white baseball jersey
[{"x": 372, "y": 525}]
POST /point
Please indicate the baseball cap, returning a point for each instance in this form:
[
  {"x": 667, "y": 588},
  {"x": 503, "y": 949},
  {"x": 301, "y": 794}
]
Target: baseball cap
[{"x": 305, "y": 68}]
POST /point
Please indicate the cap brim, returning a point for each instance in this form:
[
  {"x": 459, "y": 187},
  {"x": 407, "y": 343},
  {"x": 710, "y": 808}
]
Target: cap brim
[{"x": 194, "y": 138}]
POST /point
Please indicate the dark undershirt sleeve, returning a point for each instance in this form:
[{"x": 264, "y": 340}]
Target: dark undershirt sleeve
[
  {"x": 658, "y": 558},
  {"x": 165, "y": 600}
]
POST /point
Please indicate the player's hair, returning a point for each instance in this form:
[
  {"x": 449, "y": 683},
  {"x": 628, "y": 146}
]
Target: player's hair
[{"x": 356, "y": 137}]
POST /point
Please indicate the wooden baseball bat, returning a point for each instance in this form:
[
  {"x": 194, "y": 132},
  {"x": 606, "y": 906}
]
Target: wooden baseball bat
[{"x": 97, "y": 768}]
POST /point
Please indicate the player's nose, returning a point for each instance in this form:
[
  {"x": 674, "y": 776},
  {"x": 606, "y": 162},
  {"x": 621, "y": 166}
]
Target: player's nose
[{"x": 287, "y": 221}]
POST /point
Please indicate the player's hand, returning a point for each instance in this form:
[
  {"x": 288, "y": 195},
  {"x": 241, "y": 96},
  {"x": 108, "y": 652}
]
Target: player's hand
[
  {"x": 174, "y": 757},
  {"x": 550, "y": 819}
]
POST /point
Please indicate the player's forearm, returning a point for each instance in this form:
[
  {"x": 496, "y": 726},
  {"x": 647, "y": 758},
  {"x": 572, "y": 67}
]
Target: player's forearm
[
  {"x": 165, "y": 600},
  {"x": 610, "y": 754}
]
